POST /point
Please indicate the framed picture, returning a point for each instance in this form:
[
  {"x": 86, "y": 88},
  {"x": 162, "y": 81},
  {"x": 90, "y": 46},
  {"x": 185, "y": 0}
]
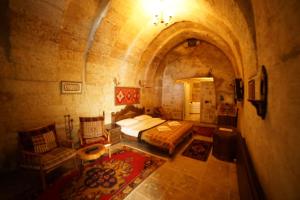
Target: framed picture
[
  {"x": 71, "y": 87},
  {"x": 258, "y": 90},
  {"x": 238, "y": 89},
  {"x": 127, "y": 95},
  {"x": 251, "y": 89}
]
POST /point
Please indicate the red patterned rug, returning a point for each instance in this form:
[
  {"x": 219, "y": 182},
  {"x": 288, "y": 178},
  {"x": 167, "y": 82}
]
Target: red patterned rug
[
  {"x": 204, "y": 131},
  {"x": 198, "y": 149},
  {"x": 106, "y": 178}
]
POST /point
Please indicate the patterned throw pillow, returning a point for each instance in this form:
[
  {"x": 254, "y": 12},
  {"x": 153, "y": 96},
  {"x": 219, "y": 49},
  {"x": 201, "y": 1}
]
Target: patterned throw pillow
[
  {"x": 92, "y": 129},
  {"x": 44, "y": 142}
]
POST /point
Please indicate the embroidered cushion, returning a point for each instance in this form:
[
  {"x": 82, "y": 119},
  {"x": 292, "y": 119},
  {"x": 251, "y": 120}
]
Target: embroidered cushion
[
  {"x": 39, "y": 140},
  {"x": 56, "y": 156},
  {"x": 92, "y": 129},
  {"x": 44, "y": 142},
  {"x": 50, "y": 159}
]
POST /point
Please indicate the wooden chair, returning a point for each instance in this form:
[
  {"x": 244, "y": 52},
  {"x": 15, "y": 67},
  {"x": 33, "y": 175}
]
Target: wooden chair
[
  {"x": 41, "y": 150},
  {"x": 92, "y": 131}
]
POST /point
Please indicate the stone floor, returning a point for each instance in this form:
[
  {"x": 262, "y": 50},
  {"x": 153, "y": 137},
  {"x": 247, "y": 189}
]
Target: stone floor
[
  {"x": 183, "y": 178},
  {"x": 179, "y": 178}
]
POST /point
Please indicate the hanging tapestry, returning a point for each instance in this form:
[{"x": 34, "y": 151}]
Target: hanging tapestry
[{"x": 127, "y": 95}]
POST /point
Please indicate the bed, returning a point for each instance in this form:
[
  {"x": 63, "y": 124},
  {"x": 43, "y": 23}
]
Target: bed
[{"x": 163, "y": 134}]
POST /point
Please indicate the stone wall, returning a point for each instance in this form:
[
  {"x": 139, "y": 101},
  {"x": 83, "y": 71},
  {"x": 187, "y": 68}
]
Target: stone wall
[
  {"x": 38, "y": 51},
  {"x": 274, "y": 142},
  {"x": 46, "y": 42},
  {"x": 187, "y": 62}
]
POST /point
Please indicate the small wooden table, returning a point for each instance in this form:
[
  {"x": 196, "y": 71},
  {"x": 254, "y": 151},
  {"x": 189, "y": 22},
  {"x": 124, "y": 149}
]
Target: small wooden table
[
  {"x": 91, "y": 152},
  {"x": 114, "y": 133}
]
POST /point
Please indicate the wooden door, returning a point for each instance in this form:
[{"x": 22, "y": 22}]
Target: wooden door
[{"x": 208, "y": 102}]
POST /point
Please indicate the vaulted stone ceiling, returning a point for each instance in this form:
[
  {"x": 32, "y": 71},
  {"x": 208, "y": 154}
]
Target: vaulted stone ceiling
[
  {"x": 118, "y": 37},
  {"x": 127, "y": 39}
]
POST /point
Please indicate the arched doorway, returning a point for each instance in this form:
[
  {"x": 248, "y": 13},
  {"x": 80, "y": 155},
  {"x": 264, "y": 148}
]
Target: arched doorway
[{"x": 199, "y": 99}]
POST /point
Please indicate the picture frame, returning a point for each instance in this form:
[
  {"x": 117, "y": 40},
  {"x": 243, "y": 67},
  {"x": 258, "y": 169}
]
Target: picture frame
[
  {"x": 238, "y": 89},
  {"x": 71, "y": 87},
  {"x": 258, "y": 91},
  {"x": 251, "y": 89}
]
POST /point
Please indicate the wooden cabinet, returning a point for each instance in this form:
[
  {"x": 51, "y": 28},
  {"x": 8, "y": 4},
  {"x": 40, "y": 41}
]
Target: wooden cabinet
[
  {"x": 227, "y": 115},
  {"x": 224, "y": 144},
  {"x": 227, "y": 120},
  {"x": 114, "y": 132}
]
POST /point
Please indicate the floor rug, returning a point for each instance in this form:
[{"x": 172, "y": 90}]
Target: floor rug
[
  {"x": 106, "y": 178},
  {"x": 204, "y": 131},
  {"x": 198, "y": 149}
]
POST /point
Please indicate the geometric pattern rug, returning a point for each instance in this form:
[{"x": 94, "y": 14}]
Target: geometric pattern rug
[
  {"x": 198, "y": 149},
  {"x": 106, "y": 178}
]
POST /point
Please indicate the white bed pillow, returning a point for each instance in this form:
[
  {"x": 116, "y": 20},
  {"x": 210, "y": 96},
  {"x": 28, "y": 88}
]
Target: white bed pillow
[
  {"x": 142, "y": 117},
  {"x": 127, "y": 122}
]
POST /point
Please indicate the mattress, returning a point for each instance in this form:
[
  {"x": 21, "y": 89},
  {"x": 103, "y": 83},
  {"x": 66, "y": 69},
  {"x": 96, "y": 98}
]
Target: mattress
[{"x": 135, "y": 129}]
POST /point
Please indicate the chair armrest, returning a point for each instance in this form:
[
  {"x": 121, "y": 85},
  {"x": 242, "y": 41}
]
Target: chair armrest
[
  {"x": 31, "y": 158},
  {"x": 30, "y": 153}
]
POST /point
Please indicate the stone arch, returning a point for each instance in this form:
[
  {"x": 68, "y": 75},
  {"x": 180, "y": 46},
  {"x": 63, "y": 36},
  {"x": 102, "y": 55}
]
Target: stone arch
[
  {"x": 151, "y": 67},
  {"x": 176, "y": 34}
]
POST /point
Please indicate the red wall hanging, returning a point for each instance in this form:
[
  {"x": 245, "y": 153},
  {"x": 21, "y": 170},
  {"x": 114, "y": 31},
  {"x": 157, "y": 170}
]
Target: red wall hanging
[{"x": 127, "y": 95}]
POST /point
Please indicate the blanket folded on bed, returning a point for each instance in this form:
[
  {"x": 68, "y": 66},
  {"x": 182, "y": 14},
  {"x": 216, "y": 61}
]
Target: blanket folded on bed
[
  {"x": 163, "y": 128},
  {"x": 174, "y": 123},
  {"x": 135, "y": 129}
]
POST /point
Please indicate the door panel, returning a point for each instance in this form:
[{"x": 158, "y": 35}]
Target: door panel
[{"x": 208, "y": 102}]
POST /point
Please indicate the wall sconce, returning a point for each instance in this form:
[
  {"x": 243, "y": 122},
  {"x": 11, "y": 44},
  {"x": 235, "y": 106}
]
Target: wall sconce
[
  {"x": 116, "y": 81},
  {"x": 161, "y": 14}
]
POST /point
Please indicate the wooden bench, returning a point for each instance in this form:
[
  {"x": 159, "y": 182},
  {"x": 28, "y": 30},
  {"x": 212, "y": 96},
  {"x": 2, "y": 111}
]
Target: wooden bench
[{"x": 249, "y": 186}]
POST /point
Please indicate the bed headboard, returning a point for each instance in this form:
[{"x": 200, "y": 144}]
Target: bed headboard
[{"x": 128, "y": 112}]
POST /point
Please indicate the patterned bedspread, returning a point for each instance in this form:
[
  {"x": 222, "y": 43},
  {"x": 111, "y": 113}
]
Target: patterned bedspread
[{"x": 167, "y": 135}]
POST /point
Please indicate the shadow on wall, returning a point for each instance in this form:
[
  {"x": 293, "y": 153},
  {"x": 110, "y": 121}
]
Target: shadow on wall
[{"x": 4, "y": 27}]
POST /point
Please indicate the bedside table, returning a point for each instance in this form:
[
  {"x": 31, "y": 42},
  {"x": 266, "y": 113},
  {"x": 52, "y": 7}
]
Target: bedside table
[{"x": 114, "y": 132}]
